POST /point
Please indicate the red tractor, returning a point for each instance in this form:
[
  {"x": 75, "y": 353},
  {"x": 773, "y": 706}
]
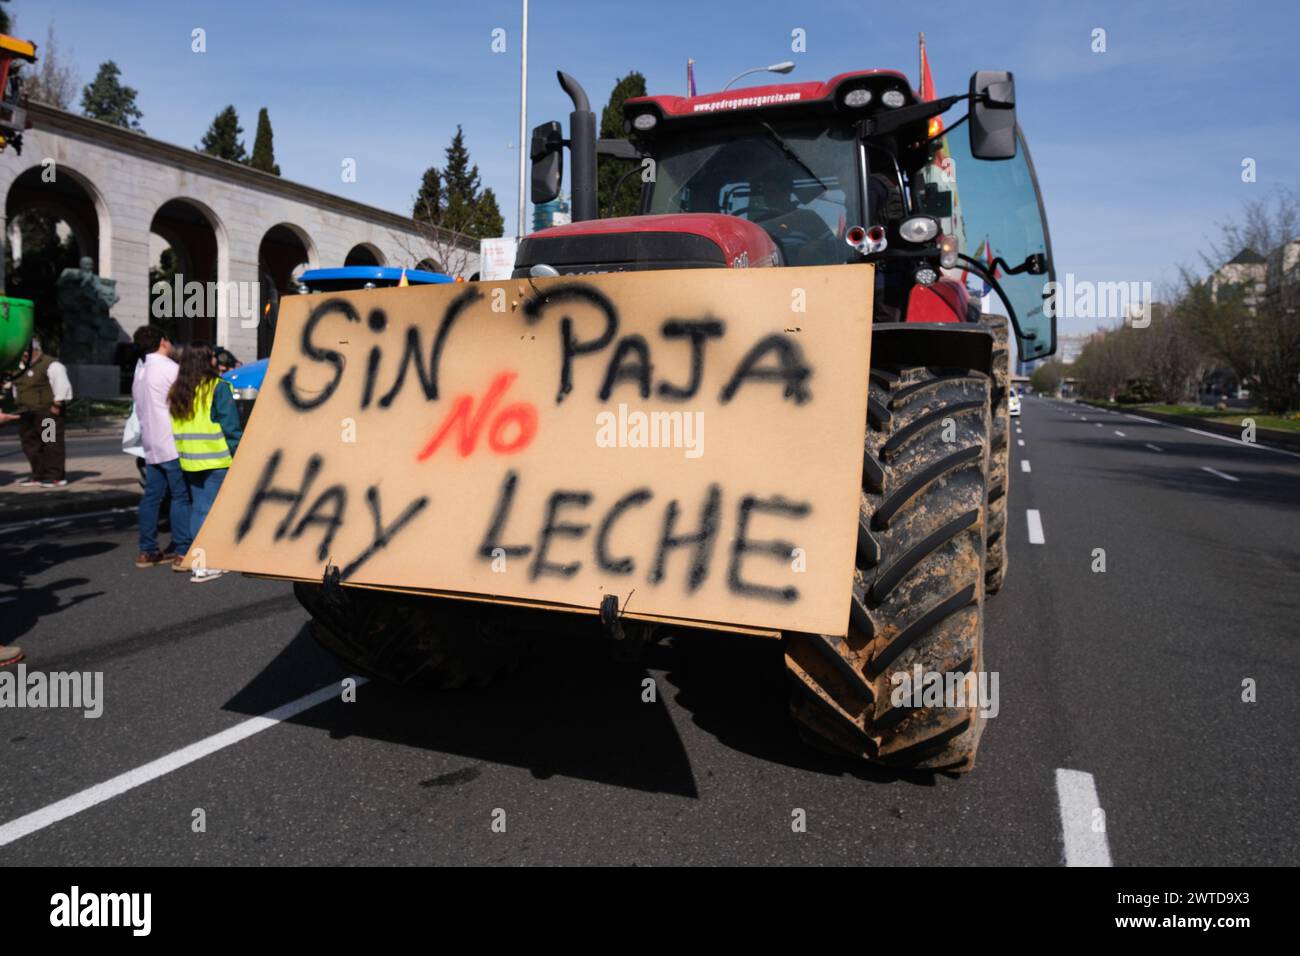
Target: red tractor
[{"x": 852, "y": 171}]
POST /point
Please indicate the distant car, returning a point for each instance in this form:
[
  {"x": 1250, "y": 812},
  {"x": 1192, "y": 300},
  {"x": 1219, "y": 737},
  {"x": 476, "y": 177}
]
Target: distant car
[{"x": 1013, "y": 403}]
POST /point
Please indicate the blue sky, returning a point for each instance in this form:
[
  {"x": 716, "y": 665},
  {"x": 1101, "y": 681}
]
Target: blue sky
[{"x": 1138, "y": 149}]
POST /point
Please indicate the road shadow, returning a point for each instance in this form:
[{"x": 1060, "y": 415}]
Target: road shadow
[
  {"x": 1259, "y": 482},
  {"x": 26, "y": 555},
  {"x": 736, "y": 689},
  {"x": 572, "y": 710}
]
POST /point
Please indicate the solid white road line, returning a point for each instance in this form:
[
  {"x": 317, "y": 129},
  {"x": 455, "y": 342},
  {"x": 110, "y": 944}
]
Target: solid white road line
[
  {"x": 1215, "y": 471},
  {"x": 1232, "y": 441},
  {"x": 1083, "y": 823},
  {"x": 1154, "y": 447},
  {"x": 40, "y": 819},
  {"x": 1035, "y": 526},
  {"x": 1024, "y": 464},
  {"x": 1119, "y": 433}
]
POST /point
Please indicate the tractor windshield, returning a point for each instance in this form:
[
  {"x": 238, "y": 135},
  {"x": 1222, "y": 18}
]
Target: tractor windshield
[
  {"x": 995, "y": 210},
  {"x": 800, "y": 183}
]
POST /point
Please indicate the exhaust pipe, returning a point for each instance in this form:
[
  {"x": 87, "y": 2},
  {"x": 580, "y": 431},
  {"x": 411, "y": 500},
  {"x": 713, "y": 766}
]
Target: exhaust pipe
[{"x": 582, "y": 151}]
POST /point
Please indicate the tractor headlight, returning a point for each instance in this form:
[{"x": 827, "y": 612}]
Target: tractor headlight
[
  {"x": 919, "y": 229},
  {"x": 645, "y": 121},
  {"x": 948, "y": 252},
  {"x": 857, "y": 98},
  {"x": 926, "y": 276},
  {"x": 893, "y": 98}
]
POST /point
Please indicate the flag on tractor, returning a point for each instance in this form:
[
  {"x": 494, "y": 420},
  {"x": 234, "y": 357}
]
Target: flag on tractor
[
  {"x": 927, "y": 90},
  {"x": 984, "y": 251}
]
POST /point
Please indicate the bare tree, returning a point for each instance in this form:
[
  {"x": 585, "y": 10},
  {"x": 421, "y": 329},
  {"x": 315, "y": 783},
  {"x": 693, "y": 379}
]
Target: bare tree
[
  {"x": 1260, "y": 343},
  {"x": 1258, "y": 337},
  {"x": 452, "y": 252},
  {"x": 1263, "y": 225},
  {"x": 1170, "y": 356},
  {"x": 51, "y": 81}
]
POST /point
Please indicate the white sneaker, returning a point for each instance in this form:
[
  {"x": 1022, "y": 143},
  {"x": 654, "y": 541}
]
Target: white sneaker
[{"x": 204, "y": 575}]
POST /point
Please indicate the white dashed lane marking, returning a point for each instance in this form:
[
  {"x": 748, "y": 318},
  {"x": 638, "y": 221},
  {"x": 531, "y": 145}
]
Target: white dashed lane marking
[
  {"x": 1083, "y": 822},
  {"x": 1219, "y": 474},
  {"x": 1024, "y": 465},
  {"x": 1119, "y": 433},
  {"x": 1154, "y": 447},
  {"x": 1035, "y": 526}
]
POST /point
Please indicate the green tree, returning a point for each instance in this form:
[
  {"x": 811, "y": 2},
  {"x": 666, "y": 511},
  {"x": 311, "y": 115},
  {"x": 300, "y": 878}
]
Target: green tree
[
  {"x": 166, "y": 274},
  {"x": 488, "y": 222},
  {"x": 36, "y": 275},
  {"x": 105, "y": 98},
  {"x": 610, "y": 170},
  {"x": 222, "y": 138},
  {"x": 263, "y": 149},
  {"x": 452, "y": 198},
  {"x": 1046, "y": 379},
  {"x": 428, "y": 201},
  {"x": 5, "y": 24}
]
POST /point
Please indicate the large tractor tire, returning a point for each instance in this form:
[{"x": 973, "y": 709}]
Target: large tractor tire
[
  {"x": 918, "y": 588},
  {"x": 995, "y": 565},
  {"x": 400, "y": 638}
]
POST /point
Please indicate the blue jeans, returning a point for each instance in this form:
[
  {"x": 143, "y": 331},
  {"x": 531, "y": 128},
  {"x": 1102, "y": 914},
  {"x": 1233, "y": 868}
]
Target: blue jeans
[
  {"x": 204, "y": 486},
  {"x": 158, "y": 480}
]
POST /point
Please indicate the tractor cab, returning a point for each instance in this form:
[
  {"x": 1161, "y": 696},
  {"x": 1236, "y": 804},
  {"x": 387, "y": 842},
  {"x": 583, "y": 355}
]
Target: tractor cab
[{"x": 855, "y": 169}]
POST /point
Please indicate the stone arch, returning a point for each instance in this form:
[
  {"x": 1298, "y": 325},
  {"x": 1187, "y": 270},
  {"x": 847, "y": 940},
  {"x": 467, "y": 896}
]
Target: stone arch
[
  {"x": 199, "y": 241},
  {"x": 428, "y": 265},
  {"x": 282, "y": 253},
  {"x": 365, "y": 254},
  {"x": 70, "y": 198}
]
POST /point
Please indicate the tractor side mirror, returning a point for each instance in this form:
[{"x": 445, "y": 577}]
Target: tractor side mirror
[
  {"x": 992, "y": 115},
  {"x": 547, "y": 154}
]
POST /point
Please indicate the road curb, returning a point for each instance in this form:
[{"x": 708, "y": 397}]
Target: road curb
[
  {"x": 1269, "y": 437},
  {"x": 68, "y": 504}
]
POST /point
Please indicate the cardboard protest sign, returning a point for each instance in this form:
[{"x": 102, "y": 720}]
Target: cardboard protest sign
[{"x": 690, "y": 441}]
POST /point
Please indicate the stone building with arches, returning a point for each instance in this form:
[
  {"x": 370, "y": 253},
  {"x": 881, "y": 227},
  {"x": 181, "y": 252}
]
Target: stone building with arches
[{"x": 125, "y": 197}]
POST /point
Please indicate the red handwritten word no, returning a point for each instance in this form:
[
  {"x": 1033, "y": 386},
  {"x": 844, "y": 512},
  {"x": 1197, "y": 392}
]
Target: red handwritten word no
[{"x": 470, "y": 422}]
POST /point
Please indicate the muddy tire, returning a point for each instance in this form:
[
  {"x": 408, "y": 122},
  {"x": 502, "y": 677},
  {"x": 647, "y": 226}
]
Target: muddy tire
[
  {"x": 400, "y": 639},
  {"x": 918, "y": 589},
  {"x": 995, "y": 563}
]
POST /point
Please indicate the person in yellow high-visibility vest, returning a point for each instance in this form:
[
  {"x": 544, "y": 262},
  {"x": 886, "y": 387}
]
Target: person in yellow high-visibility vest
[{"x": 206, "y": 426}]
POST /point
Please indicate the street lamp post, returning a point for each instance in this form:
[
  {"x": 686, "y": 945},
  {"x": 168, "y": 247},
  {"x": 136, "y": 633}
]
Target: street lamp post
[
  {"x": 523, "y": 124},
  {"x": 783, "y": 67}
]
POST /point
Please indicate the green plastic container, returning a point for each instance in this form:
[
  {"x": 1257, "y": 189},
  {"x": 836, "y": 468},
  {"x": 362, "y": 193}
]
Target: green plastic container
[{"x": 16, "y": 317}]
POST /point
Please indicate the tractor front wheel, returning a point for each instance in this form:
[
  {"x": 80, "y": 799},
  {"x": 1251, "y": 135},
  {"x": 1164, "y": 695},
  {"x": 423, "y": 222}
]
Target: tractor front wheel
[{"x": 918, "y": 590}]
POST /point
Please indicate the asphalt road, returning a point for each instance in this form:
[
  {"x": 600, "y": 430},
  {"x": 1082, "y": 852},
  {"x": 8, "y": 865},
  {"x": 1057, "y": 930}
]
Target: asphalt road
[{"x": 1133, "y": 676}]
